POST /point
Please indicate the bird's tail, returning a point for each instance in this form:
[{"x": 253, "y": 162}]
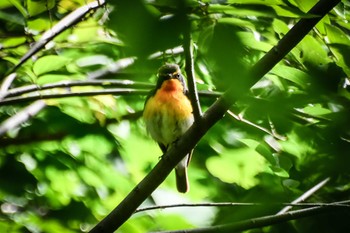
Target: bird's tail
[{"x": 182, "y": 183}]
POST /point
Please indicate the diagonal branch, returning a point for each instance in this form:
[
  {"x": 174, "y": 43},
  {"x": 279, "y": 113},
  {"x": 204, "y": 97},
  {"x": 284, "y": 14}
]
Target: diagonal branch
[
  {"x": 21, "y": 116},
  {"x": 305, "y": 195},
  {"x": 60, "y": 27},
  {"x": 188, "y": 141}
]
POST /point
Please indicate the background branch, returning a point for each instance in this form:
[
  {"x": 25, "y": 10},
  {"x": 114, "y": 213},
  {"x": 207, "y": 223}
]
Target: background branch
[
  {"x": 127, "y": 207},
  {"x": 245, "y": 121},
  {"x": 108, "y": 91},
  {"x": 234, "y": 204},
  {"x": 60, "y": 27},
  {"x": 114, "y": 91},
  {"x": 68, "y": 83},
  {"x": 262, "y": 221},
  {"x": 305, "y": 195},
  {"x": 189, "y": 68},
  {"x": 21, "y": 116}
]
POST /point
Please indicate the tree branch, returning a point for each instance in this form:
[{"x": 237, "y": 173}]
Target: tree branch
[
  {"x": 114, "y": 91},
  {"x": 21, "y": 116},
  {"x": 188, "y": 141},
  {"x": 5, "y": 85},
  {"x": 305, "y": 195},
  {"x": 234, "y": 204},
  {"x": 262, "y": 221},
  {"x": 241, "y": 119},
  {"x": 60, "y": 27},
  {"x": 189, "y": 68},
  {"x": 68, "y": 84},
  {"x": 110, "y": 91}
]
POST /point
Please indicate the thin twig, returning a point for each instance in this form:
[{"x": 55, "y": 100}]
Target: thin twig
[
  {"x": 67, "y": 22},
  {"x": 114, "y": 91},
  {"x": 305, "y": 195},
  {"x": 126, "y": 62},
  {"x": 261, "y": 221},
  {"x": 189, "y": 68},
  {"x": 217, "y": 204},
  {"x": 113, "y": 68},
  {"x": 234, "y": 204},
  {"x": 21, "y": 116},
  {"x": 6, "y": 85},
  {"x": 240, "y": 118},
  {"x": 92, "y": 78},
  {"x": 73, "y": 83}
]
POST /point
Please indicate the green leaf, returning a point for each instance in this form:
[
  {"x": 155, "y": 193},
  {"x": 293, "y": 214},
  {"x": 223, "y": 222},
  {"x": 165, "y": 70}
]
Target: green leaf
[
  {"x": 292, "y": 74},
  {"x": 288, "y": 12},
  {"x": 5, "y": 4},
  {"x": 36, "y": 7},
  {"x": 336, "y": 36},
  {"x": 49, "y": 63},
  {"x": 311, "y": 51},
  {"x": 51, "y": 78},
  {"x": 90, "y": 177},
  {"x": 263, "y": 150},
  {"x": 280, "y": 27},
  {"x": 13, "y": 42},
  {"x": 339, "y": 43},
  {"x": 13, "y": 18},
  {"x": 259, "y": 2},
  {"x": 39, "y": 24},
  {"x": 250, "y": 41},
  {"x": 244, "y": 11},
  {"x": 316, "y": 110},
  {"x": 19, "y": 6},
  {"x": 305, "y": 5},
  {"x": 237, "y": 22},
  {"x": 279, "y": 171},
  {"x": 237, "y": 166}
]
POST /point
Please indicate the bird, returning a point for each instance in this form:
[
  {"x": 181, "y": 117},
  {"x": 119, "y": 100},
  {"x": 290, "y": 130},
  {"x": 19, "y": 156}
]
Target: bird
[{"x": 168, "y": 114}]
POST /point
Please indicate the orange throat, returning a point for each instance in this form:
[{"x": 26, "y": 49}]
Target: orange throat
[{"x": 171, "y": 85}]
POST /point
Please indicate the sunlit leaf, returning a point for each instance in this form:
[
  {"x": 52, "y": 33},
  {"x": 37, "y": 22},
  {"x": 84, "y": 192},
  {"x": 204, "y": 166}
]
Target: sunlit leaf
[
  {"x": 12, "y": 42},
  {"x": 38, "y": 6},
  {"x": 262, "y": 2},
  {"x": 243, "y": 11},
  {"x": 237, "y": 166},
  {"x": 49, "y": 63}
]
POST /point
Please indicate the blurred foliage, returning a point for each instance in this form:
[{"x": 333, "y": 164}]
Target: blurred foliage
[{"x": 70, "y": 165}]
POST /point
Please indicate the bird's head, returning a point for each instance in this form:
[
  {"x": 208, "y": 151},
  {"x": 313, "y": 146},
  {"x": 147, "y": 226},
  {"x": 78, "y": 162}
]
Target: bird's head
[{"x": 170, "y": 72}]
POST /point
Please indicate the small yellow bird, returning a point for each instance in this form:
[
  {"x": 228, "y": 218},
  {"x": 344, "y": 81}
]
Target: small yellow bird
[{"x": 168, "y": 115}]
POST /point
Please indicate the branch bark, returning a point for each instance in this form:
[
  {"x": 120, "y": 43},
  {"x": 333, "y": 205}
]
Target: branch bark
[
  {"x": 189, "y": 68},
  {"x": 186, "y": 143}
]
